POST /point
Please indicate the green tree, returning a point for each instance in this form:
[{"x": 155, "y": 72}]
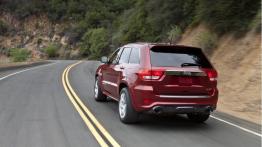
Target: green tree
[
  {"x": 95, "y": 43},
  {"x": 127, "y": 21},
  {"x": 227, "y": 15},
  {"x": 57, "y": 9}
]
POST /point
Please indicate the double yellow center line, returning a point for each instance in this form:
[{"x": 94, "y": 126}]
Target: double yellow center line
[{"x": 99, "y": 132}]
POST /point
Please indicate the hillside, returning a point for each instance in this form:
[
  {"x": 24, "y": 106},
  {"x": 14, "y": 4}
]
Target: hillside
[
  {"x": 239, "y": 70},
  {"x": 36, "y": 33},
  {"x": 55, "y": 28}
]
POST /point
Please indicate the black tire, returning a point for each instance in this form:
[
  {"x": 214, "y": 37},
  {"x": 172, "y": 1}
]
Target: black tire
[
  {"x": 99, "y": 96},
  {"x": 131, "y": 116},
  {"x": 198, "y": 117}
]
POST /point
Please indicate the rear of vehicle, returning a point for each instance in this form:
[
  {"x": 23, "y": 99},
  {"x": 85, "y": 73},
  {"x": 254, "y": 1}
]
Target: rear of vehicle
[{"x": 177, "y": 79}]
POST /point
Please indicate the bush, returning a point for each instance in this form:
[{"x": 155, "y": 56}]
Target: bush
[
  {"x": 3, "y": 28},
  {"x": 207, "y": 41},
  {"x": 174, "y": 34},
  {"x": 19, "y": 54},
  {"x": 256, "y": 22},
  {"x": 52, "y": 50}
]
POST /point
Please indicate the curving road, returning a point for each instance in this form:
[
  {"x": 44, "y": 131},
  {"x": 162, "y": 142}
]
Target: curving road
[{"x": 35, "y": 111}]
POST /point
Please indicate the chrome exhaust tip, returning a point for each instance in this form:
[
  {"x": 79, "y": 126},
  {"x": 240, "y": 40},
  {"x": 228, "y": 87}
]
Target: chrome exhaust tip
[{"x": 158, "y": 109}]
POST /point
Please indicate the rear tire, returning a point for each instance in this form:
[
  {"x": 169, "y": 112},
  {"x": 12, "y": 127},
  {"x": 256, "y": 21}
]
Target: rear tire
[
  {"x": 98, "y": 94},
  {"x": 127, "y": 113},
  {"x": 198, "y": 117}
]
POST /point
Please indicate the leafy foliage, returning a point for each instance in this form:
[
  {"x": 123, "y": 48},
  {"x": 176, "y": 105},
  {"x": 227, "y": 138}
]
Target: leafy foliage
[
  {"x": 256, "y": 22},
  {"x": 19, "y": 54},
  {"x": 174, "y": 34},
  {"x": 95, "y": 42},
  {"x": 228, "y": 15},
  {"x": 117, "y": 22},
  {"x": 52, "y": 50}
]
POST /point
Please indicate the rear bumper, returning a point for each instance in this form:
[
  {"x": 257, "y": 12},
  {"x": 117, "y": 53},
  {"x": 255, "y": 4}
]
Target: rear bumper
[
  {"x": 144, "y": 99},
  {"x": 182, "y": 109}
]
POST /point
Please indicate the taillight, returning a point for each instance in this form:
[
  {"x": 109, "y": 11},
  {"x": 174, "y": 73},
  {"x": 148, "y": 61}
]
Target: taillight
[
  {"x": 212, "y": 75},
  {"x": 146, "y": 74}
]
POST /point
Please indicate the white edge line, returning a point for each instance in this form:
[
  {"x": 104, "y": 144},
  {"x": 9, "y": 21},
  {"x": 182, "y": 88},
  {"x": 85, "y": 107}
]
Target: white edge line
[
  {"x": 237, "y": 126},
  {"x": 15, "y": 73}
]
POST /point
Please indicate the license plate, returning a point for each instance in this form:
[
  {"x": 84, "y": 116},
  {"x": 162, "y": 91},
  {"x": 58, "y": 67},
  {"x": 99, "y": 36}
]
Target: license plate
[{"x": 185, "y": 80}]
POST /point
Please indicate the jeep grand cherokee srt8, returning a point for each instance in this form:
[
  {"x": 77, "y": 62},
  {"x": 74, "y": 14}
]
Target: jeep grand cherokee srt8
[{"x": 160, "y": 78}]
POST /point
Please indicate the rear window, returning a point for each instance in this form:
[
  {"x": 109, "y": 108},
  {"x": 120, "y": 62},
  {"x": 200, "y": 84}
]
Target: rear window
[{"x": 178, "y": 57}]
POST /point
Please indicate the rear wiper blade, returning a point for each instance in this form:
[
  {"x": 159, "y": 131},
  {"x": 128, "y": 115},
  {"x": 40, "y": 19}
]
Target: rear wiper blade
[{"x": 189, "y": 64}]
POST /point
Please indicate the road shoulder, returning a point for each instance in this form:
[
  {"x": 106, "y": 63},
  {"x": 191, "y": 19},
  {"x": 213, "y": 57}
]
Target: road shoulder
[
  {"x": 240, "y": 122},
  {"x": 7, "y": 70},
  {"x": 4, "y": 68}
]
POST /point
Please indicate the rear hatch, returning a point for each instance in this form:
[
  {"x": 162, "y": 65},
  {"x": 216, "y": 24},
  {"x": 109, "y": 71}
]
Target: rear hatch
[{"x": 185, "y": 71}]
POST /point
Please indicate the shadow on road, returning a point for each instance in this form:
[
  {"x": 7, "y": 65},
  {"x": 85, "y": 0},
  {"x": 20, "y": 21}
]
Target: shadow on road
[{"x": 163, "y": 122}]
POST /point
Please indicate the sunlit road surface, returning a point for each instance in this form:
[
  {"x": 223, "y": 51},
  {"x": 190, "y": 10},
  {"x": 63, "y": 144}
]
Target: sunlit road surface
[{"x": 37, "y": 109}]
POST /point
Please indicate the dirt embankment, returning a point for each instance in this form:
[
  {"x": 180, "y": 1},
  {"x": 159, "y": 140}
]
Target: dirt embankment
[{"x": 237, "y": 61}]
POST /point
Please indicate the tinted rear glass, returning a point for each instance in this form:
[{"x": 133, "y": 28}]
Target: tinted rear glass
[{"x": 178, "y": 56}]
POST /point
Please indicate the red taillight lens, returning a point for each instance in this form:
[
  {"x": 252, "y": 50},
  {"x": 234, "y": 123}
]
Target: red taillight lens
[
  {"x": 144, "y": 74},
  {"x": 151, "y": 74},
  {"x": 212, "y": 75},
  {"x": 156, "y": 74}
]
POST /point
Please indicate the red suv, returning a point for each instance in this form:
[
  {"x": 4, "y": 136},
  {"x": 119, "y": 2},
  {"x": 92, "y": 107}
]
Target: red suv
[{"x": 158, "y": 78}]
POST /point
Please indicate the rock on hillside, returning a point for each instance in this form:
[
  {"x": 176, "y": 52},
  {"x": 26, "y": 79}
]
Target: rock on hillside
[{"x": 35, "y": 33}]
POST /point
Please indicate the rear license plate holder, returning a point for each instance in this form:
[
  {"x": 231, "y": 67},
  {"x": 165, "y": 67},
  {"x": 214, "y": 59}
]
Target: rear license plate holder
[{"x": 185, "y": 80}]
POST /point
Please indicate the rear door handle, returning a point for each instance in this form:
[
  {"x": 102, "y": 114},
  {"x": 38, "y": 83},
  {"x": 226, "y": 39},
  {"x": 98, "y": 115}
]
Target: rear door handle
[{"x": 122, "y": 67}]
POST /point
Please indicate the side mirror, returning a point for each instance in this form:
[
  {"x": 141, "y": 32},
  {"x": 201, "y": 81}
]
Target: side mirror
[{"x": 104, "y": 59}]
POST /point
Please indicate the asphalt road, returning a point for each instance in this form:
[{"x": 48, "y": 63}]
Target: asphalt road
[{"x": 35, "y": 111}]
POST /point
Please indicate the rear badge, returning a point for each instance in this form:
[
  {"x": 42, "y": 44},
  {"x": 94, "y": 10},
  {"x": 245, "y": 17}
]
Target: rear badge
[{"x": 187, "y": 73}]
